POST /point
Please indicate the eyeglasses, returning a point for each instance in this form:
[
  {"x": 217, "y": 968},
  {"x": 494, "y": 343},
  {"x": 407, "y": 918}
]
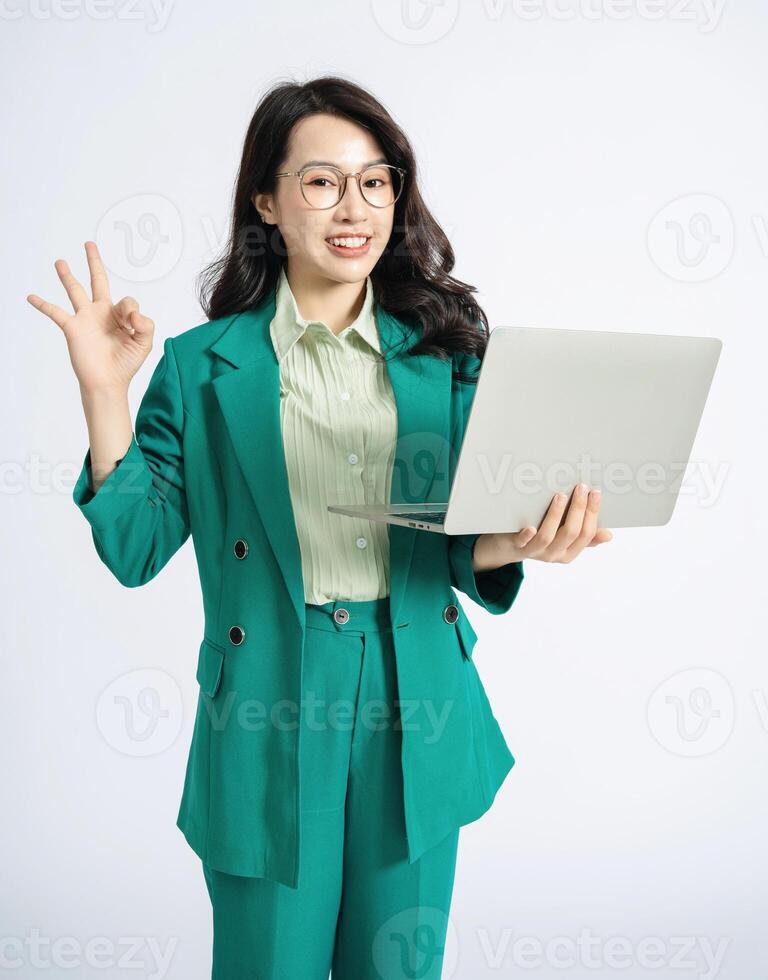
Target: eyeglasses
[{"x": 324, "y": 187}]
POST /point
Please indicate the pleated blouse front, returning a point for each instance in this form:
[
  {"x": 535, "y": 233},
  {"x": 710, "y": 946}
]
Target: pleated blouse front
[{"x": 339, "y": 426}]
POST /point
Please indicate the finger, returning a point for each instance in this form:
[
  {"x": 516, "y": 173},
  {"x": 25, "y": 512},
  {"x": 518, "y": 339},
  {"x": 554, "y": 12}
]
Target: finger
[
  {"x": 141, "y": 327},
  {"x": 540, "y": 541},
  {"x": 99, "y": 279},
  {"x": 548, "y": 527},
  {"x": 602, "y": 536},
  {"x": 589, "y": 523},
  {"x": 122, "y": 312},
  {"x": 77, "y": 295},
  {"x": 588, "y": 526},
  {"x": 574, "y": 520},
  {"x": 565, "y": 536},
  {"x": 56, "y": 313},
  {"x": 524, "y": 537}
]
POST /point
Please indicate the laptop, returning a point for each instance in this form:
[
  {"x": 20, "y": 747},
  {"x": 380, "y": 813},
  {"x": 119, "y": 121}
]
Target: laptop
[{"x": 555, "y": 407}]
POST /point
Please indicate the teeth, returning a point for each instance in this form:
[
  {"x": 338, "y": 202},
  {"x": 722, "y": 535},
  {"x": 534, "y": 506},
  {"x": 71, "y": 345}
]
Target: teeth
[{"x": 348, "y": 242}]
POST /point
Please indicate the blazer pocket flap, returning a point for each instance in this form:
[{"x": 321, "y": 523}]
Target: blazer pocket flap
[
  {"x": 210, "y": 661},
  {"x": 467, "y": 635}
]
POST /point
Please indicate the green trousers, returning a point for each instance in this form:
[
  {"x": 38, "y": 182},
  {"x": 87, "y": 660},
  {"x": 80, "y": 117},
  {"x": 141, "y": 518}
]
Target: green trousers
[{"x": 361, "y": 911}]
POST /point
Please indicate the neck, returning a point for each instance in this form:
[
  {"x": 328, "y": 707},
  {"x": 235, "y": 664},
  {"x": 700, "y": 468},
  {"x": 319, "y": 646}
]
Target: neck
[{"x": 336, "y": 304}]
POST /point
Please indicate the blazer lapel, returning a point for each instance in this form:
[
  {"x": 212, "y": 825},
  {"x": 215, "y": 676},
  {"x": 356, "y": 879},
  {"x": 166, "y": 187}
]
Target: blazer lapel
[
  {"x": 248, "y": 394},
  {"x": 422, "y": 389}
]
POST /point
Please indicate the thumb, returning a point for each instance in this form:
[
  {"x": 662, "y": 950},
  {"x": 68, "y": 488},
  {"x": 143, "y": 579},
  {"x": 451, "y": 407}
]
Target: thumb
[
  {"x": 141, "y": 327},
  {"x": 123, "y": 310}
]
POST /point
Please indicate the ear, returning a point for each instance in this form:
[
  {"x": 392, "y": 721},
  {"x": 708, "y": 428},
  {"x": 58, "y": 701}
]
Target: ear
[{"x": 263, "y": 204}]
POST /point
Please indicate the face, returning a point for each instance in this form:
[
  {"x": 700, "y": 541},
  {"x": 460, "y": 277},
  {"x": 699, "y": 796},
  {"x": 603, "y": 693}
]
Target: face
[{"x": 306, "y": 229}]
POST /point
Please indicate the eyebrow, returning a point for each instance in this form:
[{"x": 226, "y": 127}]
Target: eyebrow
[{"x": 327, "y": 163}]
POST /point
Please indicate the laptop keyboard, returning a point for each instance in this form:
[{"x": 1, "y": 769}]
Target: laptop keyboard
[{"x": 434, "y": 517}]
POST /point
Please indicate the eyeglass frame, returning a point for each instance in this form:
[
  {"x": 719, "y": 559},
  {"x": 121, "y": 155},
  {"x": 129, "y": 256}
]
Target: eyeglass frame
[{"x": 357, "y": 176}]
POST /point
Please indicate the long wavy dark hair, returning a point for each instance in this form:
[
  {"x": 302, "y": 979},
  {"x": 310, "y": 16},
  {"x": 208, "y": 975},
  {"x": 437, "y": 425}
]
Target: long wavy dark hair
[{"x": 412, "y": 278}]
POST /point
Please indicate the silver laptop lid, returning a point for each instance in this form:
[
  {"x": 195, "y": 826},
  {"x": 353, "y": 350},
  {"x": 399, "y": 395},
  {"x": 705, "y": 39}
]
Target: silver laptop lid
[{"x": 617, "y": 411}]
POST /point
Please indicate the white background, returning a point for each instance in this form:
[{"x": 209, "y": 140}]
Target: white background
[{"x": 595, "y": 165}]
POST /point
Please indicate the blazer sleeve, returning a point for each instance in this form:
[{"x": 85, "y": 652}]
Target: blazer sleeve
[
  {"x": 495, "y": 589},
  {"x": 139, "y": 515}
]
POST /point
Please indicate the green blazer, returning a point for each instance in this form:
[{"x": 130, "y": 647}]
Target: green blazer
[{"x": 206, "y": 460}]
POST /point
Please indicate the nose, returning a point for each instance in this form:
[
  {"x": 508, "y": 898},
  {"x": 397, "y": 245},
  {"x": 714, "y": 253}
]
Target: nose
[{"x": 352, "y": 195}]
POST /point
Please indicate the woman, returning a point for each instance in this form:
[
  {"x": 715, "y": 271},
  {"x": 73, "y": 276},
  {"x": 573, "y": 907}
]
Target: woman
[{"x": 336, "y": 365}]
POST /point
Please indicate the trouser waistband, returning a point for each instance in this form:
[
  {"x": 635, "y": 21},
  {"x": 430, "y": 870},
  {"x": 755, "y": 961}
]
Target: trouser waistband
[{"x": 345, "y": 616}]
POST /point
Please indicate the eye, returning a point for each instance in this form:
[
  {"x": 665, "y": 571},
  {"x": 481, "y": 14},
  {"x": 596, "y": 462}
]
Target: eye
[{"x": 321, "y": 178}]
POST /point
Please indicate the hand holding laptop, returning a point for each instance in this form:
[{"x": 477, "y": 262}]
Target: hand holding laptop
[{"x": 560, "y": 537}]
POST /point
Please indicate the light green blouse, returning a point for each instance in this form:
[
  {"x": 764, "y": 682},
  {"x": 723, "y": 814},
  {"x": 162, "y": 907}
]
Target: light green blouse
[{"x": 339, "y": 426}]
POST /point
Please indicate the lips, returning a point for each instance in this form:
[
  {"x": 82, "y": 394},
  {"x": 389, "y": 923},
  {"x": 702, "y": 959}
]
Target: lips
[
  {"x": 350, "y": 251},
  {"x": 347, "y": 236}
]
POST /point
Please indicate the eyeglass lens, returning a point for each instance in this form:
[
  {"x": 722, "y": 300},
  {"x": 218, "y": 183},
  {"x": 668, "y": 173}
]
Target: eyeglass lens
[{"x": 322, "y": 186}]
